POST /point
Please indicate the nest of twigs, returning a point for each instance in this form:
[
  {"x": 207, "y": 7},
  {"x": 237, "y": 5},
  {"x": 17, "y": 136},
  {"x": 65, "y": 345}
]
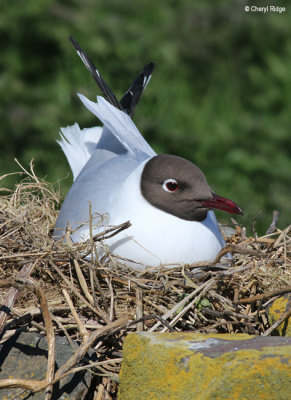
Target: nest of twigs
[{"x": 98, "y": 304}]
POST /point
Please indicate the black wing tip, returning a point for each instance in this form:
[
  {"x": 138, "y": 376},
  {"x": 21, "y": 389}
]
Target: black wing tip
[
  {"x": 149, "y": 67},
  {"x": 105, "y": 89},
  {"x": 132, "y": 96},
  {"x": 74, "y": 42},
  {"x": 130, "y": 99}
]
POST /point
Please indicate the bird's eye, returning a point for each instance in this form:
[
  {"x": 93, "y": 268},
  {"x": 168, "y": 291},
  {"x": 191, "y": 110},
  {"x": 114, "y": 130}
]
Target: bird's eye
[{"x": 170, "y": 185}]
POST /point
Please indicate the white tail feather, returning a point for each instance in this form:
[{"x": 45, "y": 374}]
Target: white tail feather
[{"x": 78, "y": 145}]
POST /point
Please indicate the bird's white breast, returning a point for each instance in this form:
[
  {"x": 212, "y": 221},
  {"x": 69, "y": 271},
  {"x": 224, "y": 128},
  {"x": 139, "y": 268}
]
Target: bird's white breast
[{"x": 156, "y": 237}]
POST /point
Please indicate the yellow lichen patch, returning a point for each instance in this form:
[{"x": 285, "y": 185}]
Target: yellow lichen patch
[
  {"x": 158, "y": 366},
  {"x": 180, "y": 336},
  {"x": 278, "y": 308}
]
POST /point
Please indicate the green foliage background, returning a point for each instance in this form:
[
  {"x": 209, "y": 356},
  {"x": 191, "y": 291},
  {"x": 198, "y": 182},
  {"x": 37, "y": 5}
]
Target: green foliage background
[{"x": 220, "y": 95}]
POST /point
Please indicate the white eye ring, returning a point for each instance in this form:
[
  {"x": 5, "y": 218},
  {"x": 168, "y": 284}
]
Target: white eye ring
[{"x": 170, "y": 185}]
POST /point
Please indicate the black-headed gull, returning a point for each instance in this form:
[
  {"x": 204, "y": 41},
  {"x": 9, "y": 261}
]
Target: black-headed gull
[{"x": 165, "y": 197}]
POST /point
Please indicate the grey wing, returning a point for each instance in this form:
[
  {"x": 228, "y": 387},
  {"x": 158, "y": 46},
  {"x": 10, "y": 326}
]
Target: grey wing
[
  {"x": 121, "y": 126},
  {"x": 97, "y": 183}
]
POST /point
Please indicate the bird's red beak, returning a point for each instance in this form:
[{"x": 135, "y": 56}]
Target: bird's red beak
[{"x": 221, "y": 203}]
